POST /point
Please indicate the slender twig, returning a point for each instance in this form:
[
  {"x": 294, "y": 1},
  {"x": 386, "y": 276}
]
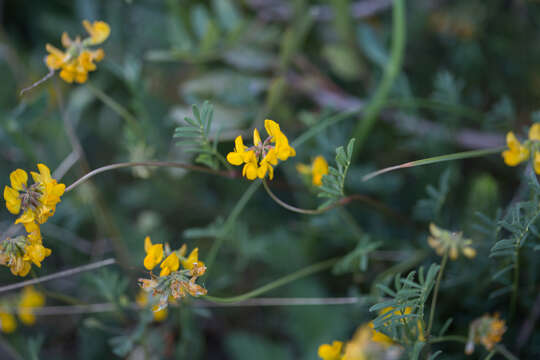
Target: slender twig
[
  {"x": 341, "y": 202},
  {"x": 65, "y": 165},
  {"x": 37, "y": 83},
  {"x": 93, "y": 173},
  {"x": 391, "y": 71},
  {"x": 312, "y": 269},
  {"x": 436, "y": 293},
  {"x": 58, "y": 275},
  {"x": 258, "y": 302},
  {"x": 115, "y": 106}
]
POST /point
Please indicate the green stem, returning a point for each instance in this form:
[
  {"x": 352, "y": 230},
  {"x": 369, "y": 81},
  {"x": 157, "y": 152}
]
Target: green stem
[
  {"x": 504, "y": 352},
  {"x": 456, "y": 338},
  {"x": 115, "y": 106},
  {"x": 435, "y": 105},
  {"x": 436, "y": 159},
  {"x": 294, "y": 208},
  {"x": 515, "y": 285},
  {"x": 391, "y": 72},
  {"x": 312, "y": 269},
  {"x": 436, "y": 293},
  {"x": 229, "y": 223}
]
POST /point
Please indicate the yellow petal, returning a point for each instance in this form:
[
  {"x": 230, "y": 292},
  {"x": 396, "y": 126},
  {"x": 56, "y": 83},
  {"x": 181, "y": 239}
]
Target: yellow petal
[
  {"x": 18, "y": 179},
  {"x": 99, "y": 31},
  {"x": 235, "y": 158},
  {"x": 512, "y": 141},
  {"x": 534, "y": 132},
  {"x": 191, "y": 260},
  {"x": 330, "y": 352},
  {"x": 66, "y": 41},
  {"x": 13, "y": 202},
  {"x": 170, "y": 264},
  {"x": 250, "y": 171},
  {"x": 155, "y": 254},
  {"x": 147, "y": 244},
  {"x": 256, "y": 137},
  {"x": 8, "y": 324},
  {"x": 27, "y": 217}
]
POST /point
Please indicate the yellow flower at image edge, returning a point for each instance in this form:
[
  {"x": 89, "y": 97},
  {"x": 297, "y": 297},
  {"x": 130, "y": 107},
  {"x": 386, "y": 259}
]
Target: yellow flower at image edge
[
  {"x": 154, "y": 253},
  {"x": 330, "y": 352},
  {"x": 517, "y": 153},
  {"x": 7, "y": 322},
  {"x": 30, "y": 299},
  {"x": 259, "y": 159}
]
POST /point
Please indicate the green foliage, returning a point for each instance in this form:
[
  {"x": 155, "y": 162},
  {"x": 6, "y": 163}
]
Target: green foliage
[
  {"x": 334, "y": 182},
  {"x": 194, "y": 135},
  {"x": 397, "y": 324},
  {"x": 357, "y": 260},
  {"x": 430, "y": 208}
]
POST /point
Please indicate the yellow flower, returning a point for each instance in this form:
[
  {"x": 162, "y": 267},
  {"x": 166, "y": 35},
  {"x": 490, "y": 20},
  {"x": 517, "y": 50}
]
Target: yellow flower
[
  {"x": 170, "y": 264},
  {"x": 78, "y": 60},
  {"x": 330, "y": 352},
  {"x": 30, "y": 299},
  {"x": 317, "y": 169},
  {"x": 534, "y": 132},
  {"x": 36, "y": 253},
  {"x": 20, "y": 267},
  {"x": 239, "y": 155},
  {"x": 38, "y": 201},
  {"x": 379, "y": 337},
  {"x": 192, "y": 260},
  {"x": 487, "y": 330},
  {"x": 386, "y": 341},
  {"x": 99, "y": 31},
  {"x": 7, "y": 322},
  {"x": 517, "y": 153},
  {"x": 154, "y": 253},
  {"x": 443, "y": 240},
  {"x": 262, "y": 156},
  {"x": 142, "y": 300}
]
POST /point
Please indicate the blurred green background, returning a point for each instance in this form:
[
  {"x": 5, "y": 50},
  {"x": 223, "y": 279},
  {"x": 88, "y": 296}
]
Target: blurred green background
[{"x": 470, "y": 74}]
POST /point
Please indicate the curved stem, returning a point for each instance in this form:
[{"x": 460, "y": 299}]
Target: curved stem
[
  {"x": 312, "y": 269},
  {"x": 93, "y": 173},
  {"x": 436, "y": 292},
  {"x": 391, "y": 72},
  {"x": 504, "y": 352},
  {"x": 294, "y": 208}
]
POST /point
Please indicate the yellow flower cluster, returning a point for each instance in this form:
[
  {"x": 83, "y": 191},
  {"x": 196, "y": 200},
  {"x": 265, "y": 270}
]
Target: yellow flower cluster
[
  {"x": 487, "y": 330},
  {"x": 443, "y": 240},
  {"x": 78, "y": 59},
  {"x": 259, "y": 159},
  {"x": 368, "y": 343},
  {"x": 317, "y": 169},
  {"x": 25, "y": 303},
  {"x": 36, "y": 203},
  {"x": 518, "y": 152},
  {"x": 172, "y": 281}
]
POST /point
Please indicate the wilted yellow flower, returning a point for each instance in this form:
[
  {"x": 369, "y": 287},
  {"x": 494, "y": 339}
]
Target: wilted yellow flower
[
  {"x": 259, "y": 159},
  {"x": 30, "y": 299},
  {"x": 78, "y": 59},
  {"x": 154, "y": 253},
  {"x": 443, "y": 240},
  {"x": 487, "y": 330},
  {"x": 317, "y": 169},
  {"x": 7, "y": 322},
  {"x": 330, "y": 352}
]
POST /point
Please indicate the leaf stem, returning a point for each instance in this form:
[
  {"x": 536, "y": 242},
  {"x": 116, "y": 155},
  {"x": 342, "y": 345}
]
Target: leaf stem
[
  {"x": 391, "y": 71},
  {"x": 436, "y": 159},
  {"x": 436, "y": 293},
  {"x": 312, "y": 269},
  {"x": 93, "y": 173}
]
